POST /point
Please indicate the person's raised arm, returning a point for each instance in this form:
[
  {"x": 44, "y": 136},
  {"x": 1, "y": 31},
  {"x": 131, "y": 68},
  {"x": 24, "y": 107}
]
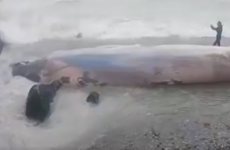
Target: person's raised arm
[{"x": 213, "y": 28}]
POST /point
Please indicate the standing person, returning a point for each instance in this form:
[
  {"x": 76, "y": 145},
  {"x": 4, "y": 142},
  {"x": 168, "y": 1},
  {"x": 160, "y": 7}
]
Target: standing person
[{"x": 218, "y": 30}]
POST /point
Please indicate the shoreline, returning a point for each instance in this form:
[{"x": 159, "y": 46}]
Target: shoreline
[{"x": 47, "y": 46}]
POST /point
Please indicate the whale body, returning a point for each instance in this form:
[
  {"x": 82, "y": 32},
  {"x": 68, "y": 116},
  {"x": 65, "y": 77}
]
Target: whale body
[{"x": 134, "y": 66}]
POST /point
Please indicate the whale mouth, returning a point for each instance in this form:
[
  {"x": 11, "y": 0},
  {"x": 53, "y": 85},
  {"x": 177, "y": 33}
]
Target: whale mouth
[
  {"x": 28, "y": 69},
  {"x": 18, "y": 64},
  {"x": 18, "y": 68}
]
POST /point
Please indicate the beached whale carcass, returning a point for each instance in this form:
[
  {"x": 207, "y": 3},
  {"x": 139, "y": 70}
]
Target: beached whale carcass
[{"x": 136, "y": 65}]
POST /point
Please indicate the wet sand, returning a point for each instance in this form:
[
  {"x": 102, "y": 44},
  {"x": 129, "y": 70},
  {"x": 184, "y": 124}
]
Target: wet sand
[{"x": 187, "y": 117}]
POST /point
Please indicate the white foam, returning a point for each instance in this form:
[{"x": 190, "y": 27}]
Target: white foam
[{"x": 27, "y": 21}]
